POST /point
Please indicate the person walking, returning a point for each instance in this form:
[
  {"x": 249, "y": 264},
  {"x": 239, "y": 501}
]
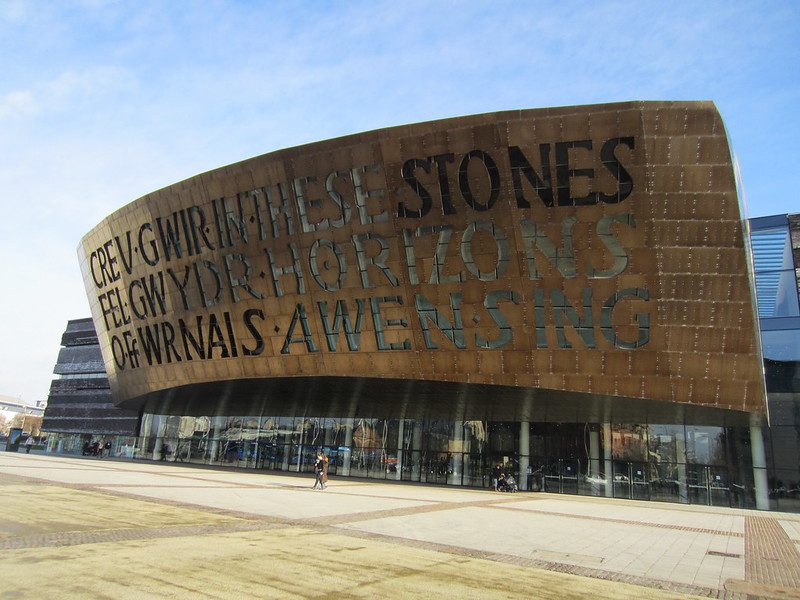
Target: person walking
[
  {"x": 28, "y": 444},
  {"x": 324, "y": 471},
  {"x": 497, "y": 475},
  {"x": 319, "y": 471}
]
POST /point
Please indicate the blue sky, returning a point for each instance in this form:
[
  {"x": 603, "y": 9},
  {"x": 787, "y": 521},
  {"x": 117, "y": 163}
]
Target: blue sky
[{"x": 102, "y": 102}]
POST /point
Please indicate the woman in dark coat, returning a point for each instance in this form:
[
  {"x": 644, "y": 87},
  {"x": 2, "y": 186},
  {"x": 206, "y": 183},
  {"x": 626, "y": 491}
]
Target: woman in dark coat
[{"x": 320, "y": 471}]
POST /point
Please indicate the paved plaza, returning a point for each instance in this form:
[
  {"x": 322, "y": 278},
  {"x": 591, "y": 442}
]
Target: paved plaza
[{"x": 80, "y": 527}]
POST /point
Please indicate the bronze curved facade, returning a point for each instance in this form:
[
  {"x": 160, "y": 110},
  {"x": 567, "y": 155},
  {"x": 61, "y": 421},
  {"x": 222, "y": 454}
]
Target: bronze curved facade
[{"x": 548, "y": 257}]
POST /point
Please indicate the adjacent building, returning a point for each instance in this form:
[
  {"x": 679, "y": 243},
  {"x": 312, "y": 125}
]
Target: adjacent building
[
  {"x": 18, "y": 417},
  {"x": 80, "y": 408},
  {"x": 11, "y": 406},
  {"x": 775, "y": 243}
]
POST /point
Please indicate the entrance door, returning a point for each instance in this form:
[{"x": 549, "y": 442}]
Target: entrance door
[
  {"x": 570, "y": 471},
  {"x": 411, "y": 467},
  {"x": 435, "y": 467},
  {"x": 697, "y": 484},
  {"x": 538, "y": 467},
  {"x": 561, "y": 475},
  {"x": 552, "y": 475},
  {"x": 622, "y": 479},
  {"x": 630, "y": 480},
  {"x": 708, "y": 485},
  {"x": 640, "y": 486},
  {"x": 719, "y": 486},
  {"x": 270, "y": 456}
]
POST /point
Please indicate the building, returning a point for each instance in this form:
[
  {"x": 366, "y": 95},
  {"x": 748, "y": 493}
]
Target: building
[
  {"x": 11, "y": 406},
  {"x": 775, "y": 241},
  {"x": 566, "y": 292},
  {"x": 80, "y": 408},
  {"x": 16, "y": 414}
]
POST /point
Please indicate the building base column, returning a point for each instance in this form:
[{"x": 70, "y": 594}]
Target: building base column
[
  {"x": 157, "y": 428},
  {"x": 348, "y": 445},
  {"x": 609, "y": 471},
  {"x": 456, "y": 454},
  {"x": 400, "y": 437},
  {"x": 416, "y": 446},
  {"x": 524, "y": 453},
  {"x": 680, "y": 448},
  {"x": 759, "y": 468},
  {"x": 594, "y": 461}
]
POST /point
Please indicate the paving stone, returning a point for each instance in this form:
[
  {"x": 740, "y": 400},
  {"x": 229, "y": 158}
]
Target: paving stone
[{"x": 663, "y": 548}]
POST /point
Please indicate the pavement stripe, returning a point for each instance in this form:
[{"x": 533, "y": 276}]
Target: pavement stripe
[
  {"x": 413, "y": 510},
  {"x": 625, "y": 521},
  {"x": 75, "y": 538}
]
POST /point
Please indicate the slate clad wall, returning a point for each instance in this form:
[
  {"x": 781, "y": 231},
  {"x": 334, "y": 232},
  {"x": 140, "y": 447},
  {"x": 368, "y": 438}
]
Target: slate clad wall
[
  {"x": 79, "y": 359},
  {"x": 83, "y": 404},
  {"x": 79, "y": 332}
]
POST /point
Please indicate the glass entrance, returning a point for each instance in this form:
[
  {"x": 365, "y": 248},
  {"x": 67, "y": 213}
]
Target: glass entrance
[
  {"x": 640, "y": 486},
  {"x": 561, "y": 476},
  {"x": 708, "y": 485},
  {"x": 719, "y": 487},
  {"x": 622, "y": 479},
  {"x": 631, "y": 480}
]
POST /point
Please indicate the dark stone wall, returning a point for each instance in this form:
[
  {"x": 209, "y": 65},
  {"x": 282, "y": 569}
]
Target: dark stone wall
[
  {"x": 82, "y": 402},
  {"x": 79, "y": 359},
  {"x": 79, "y": 332}
]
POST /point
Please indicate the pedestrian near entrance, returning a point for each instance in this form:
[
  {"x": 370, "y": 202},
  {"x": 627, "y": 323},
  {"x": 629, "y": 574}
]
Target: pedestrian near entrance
[
  {"x": 28, "y": 444},
  {"x": 320, "y": 469},
  {"x": 497, "y": 475}
]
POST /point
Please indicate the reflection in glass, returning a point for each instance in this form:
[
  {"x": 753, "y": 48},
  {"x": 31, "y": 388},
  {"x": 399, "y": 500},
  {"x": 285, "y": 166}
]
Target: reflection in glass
[
  {"x": 781, "y": 344},
  {"x": 705, "y": 445},
  {"x": 666, "y": 462},
  {"x": 628, "y": 442},
  {"x": 776, "y": 284}
]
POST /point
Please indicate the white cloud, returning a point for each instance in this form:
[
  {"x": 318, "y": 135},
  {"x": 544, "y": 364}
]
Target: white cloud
[
  {"x": 98, "y": 81},
  {"x": 17, "y": 104},
  {"x": 13, "y": 11},
  {"x": 67, "y": 90}
]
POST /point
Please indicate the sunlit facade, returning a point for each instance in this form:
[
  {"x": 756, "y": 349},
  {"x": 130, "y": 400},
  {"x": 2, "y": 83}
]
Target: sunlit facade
[{"x": 564, "y": 292}]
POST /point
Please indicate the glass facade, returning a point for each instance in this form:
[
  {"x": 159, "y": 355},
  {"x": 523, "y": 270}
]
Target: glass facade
[
  {"x": 775, "y": 245},
  {"x": 122, "y": 446},
  {"x": 776, "y": 287},
  {"x": 661, "y": 462}
]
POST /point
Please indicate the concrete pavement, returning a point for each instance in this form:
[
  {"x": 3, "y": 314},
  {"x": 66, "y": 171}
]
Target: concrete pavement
[{"x": 101, "y": 528}]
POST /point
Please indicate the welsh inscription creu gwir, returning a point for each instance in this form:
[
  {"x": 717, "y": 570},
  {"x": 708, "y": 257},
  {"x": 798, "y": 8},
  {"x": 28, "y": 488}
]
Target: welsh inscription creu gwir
[{"x": 281, "y": 210}]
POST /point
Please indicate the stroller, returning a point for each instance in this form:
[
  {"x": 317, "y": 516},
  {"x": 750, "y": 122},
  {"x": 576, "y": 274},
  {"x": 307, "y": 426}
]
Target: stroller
[{"x": 507, "y": 483}]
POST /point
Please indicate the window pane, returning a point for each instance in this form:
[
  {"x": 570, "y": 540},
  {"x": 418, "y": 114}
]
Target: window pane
[
  {"x": 705, "y": 445},
  {"x": 782, "y": 344},
  {"x": 776, "y": 285},
  {"x": 772, "y": 249},
  {"x": 629, "y": 442},
  {"x": 776, "y": 293}
]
